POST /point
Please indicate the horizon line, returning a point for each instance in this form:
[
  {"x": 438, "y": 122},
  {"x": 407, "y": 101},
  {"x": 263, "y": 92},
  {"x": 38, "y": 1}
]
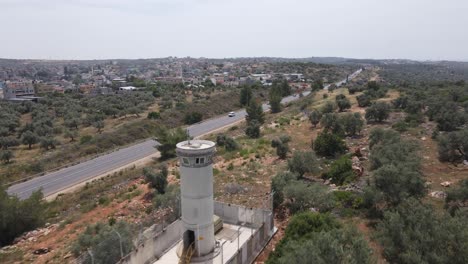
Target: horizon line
[{"x": 246, "y": 57}]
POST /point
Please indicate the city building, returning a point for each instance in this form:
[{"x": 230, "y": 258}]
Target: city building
[
  {"x": 44, "y": 88},
  {"x": 18, "y": 89}
]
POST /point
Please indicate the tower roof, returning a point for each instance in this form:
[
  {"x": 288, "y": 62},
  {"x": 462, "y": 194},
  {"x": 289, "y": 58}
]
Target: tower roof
[{"x": 195, "y": 145}]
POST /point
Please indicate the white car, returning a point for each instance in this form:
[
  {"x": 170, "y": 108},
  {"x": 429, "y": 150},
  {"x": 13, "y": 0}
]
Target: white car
[{"x": 231, "y": 114}]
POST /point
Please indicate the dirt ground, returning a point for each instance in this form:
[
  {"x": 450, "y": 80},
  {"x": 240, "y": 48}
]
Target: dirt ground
[{"x": 59, "y": 238}]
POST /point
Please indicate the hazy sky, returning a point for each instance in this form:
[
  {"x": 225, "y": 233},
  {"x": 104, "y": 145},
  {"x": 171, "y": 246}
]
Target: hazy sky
[{"x": 103, "y": 29}]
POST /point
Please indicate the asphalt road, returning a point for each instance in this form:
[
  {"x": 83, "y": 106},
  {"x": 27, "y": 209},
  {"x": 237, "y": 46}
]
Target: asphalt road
[{"x": 62, "y": 179}]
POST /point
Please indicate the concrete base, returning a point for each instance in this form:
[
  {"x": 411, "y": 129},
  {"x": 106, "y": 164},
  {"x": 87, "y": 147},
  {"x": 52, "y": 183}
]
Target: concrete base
[{"x": 230, "y": 239}]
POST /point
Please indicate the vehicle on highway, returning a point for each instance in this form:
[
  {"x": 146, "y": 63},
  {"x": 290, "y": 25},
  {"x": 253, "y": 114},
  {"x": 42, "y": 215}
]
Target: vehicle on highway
[{"x": 231, "y": 114}]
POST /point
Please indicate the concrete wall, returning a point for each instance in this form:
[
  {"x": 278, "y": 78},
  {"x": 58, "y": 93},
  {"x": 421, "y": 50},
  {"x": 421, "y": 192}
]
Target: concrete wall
[
  {"x": 239, "y": 215},
  {"x": 250, "y": 250},
  {"x": 154, "y": 247},
  {"x": 158, "y": 241},
  {"x": 260, "y": 219}
]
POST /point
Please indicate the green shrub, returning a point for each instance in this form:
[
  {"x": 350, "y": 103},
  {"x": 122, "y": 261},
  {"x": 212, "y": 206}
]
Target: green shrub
[
  {"x": 319, "y": 238},
  {"x": 154, "y": 115},
  {"x": 341, "y": 171},
  {"x": 192, "y": 118},
  {"x": 348, "y": 199},
  {"x": 19, "y": 216},
  {"x": 400, "y": 126},
  {"x": 86, "y": 139},
  {"x": 303, "y": 162},
  {"x": 102, "y": 239},
  {"x": 329, "y": 145}
]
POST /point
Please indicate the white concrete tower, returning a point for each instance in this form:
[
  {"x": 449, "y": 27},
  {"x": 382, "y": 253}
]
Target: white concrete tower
[{"x": 196, "y": 185}]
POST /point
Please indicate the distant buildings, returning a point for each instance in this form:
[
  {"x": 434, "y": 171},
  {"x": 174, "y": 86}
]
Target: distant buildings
[
  {"x": 294, "y": 76},
  {"x": 127, "y": 88},
  {"x": 102, "y": 91},
  {"x": 49, "y": 88},
  {"x": 86, "y": 88},
  {"x": 1, "y": 90},
  {"x": 18, "y": 90}
]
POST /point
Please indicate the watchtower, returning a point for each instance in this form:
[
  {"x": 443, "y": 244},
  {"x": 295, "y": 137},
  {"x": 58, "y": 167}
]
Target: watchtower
[{"x": 196, "y": 183}]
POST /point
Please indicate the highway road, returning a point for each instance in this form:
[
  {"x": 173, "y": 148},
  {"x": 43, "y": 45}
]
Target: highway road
[{"x": 55, "y": 182}]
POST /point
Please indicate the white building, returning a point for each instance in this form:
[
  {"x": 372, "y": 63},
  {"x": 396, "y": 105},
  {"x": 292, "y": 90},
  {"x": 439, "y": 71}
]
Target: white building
[{"x": 127, "y": 88}]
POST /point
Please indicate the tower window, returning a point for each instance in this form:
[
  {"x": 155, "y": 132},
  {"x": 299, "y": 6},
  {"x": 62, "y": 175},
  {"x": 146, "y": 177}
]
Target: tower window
[
  {"x": 199, "y": 160},
  {"x": 185, "y": 161}
]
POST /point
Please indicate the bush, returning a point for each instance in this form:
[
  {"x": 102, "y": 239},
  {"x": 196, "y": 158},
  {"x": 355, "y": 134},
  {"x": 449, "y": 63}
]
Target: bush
[
  {"x": 169, "y": 200},
  {"x": 329, "y": 145},
  {"x": 157, "y": 180},
  {"x": 328, "y": 107},
  {"x": 363, "y": 100},
  {"x": 229, "y": 143},
  {"x": 415, "y": 233},
  {"x": 331, "y": 122},
  {"x": 8, "y": 142},
  {"x": 400, "y": 126},
  {"x": 315, "y": 117},
  {"x": 154, "y": 115},
  {"x": 281, "y": 145},
  {"x": 342, "y": 102},
  {"x": 253, "y": 129},
  {"x": 396, "y": 167},
  {"x": 48, "y": 143},
  {"x": 348, "y": 199},
  {"x": 6, "y": 155},
  {"x": 353, "y": 90},
  {"x": 19, "y": 216},
  {"x": 378, "y": 112},
  {"x": 457, "y": 198},
  {"x": 192, "y": 118},
  {"x": 341, "y": 171},
  {"x": 373, "y": 85},
  {"x": 303, "y": 162},
  {"x": 352, "y": 123},
  {"x": 301, "y": 197},
  {"x": 453, "y": 146},
  {"x": 398, "y": 182},
  {"x": 304, "y": 225},
  {"x": 319, "y": 238},
  {"x": 104, "y": 242},
  {"x": 278, "y": 183},
  {"x": 86, "y": 139}
]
